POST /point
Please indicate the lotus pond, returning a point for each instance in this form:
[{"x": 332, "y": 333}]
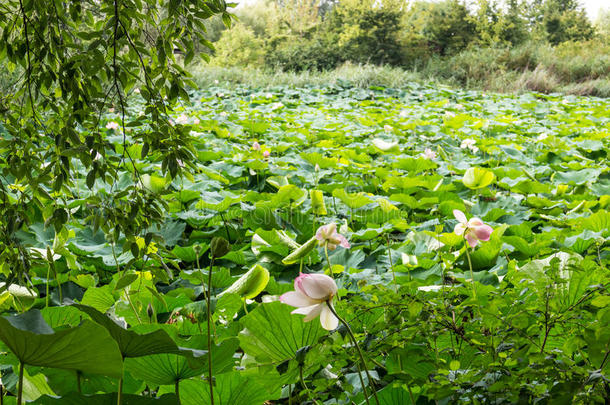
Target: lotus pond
[{"x": 389, "y": 193}]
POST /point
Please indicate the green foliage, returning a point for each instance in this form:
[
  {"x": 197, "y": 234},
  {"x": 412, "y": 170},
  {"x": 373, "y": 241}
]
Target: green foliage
[
  {"x": 239, "y": 46},
  {"x": 534, "y": 326},
  {"x": 565, "y": 20}
]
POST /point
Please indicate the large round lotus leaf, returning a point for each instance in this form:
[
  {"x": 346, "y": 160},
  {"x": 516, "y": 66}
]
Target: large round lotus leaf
[
  {"x": 475, "y": 178},
  {"x": 87, "y": 348}
]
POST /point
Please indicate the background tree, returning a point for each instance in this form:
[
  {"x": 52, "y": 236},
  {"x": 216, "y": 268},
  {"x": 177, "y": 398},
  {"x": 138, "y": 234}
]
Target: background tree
[{"x": 562, "y": 21}]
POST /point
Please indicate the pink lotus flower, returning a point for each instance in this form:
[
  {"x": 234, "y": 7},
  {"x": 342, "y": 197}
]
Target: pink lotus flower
[
  {"x": 266, "y": 154},
  {"x": 112, "y": 125},
  {"x": 182, "y": 119},
  {"x": 429, "y": 154},
  {"x": 196, "y": 121},
  {"x": 328, "y": 235},
  {"x": 474, "y": 230},
  {"x": 312, "y": 295},
  {"x": 256, "y": 146}
]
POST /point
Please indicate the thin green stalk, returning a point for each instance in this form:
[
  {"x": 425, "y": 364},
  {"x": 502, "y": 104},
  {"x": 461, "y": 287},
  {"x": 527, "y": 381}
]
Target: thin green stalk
[
  {"x": 305, "y": 386},
  {"x": 387, "y": 238},
  {"x": 474, "y": 291},
  {"x": 330, "y": 267},
  {"x": 177, "y": 390},
  {"x": 1, "y": 395},
  {"x": 224, "y": 222},
  {"x": 355, "y": 342},
  {"x": 411, "y": 394},
  {"x": 118, "y": 269},
  {"x": 78, "y": 382},
  {"x": 52, "y": 265},
  {"x": 20, "y": 387},
  {"x": 46, "y": 299},
  {"x": 209, "y": 313},
  {"x": 119, "y": 396}
]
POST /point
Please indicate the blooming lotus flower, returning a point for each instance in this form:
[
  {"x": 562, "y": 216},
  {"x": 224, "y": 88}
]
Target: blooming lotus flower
[
  {"x": 387, "y": 128},
  {"x": 112, "y": 125},
  {"x": 136, "y": 90},
  {"x": 542, "y": 137},
  {"x": 256, "y": 145},
  {"x": 474, "y": 230},
  {"x": 196, "y": 121},
  {"x": 182, "y": 119},
  {"x": 328, "y": 235},
  {"x": 266, "y": 154},
  {"x": 311, "y": 296},
  {"x": 467, "y": 143},
  {"x": 429, "y": 154}
]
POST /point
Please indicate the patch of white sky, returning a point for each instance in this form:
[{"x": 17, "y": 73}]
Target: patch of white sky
[{"x": 591, "y": 7}]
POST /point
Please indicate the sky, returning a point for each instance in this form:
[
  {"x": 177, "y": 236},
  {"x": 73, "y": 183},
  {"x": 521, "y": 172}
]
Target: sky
[{"x": 592, "y": 7}]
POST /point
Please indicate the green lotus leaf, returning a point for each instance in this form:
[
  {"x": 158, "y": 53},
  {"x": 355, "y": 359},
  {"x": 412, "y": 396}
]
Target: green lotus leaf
[
  {"x": 476, "y": 178},
  {"x": 88, "y": 347}
]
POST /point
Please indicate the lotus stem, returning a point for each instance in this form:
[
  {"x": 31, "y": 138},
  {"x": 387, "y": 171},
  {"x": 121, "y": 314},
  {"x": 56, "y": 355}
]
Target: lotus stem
[
  {"x": 305, "y": 386},
  {"x": 355, "y": 342},
  {"x": 474, "y": 291},
  {"x": 209, "y": 313},
  {"x": 387, "y": 238},
  {"x": 177, "y": 389},
  {"x": 119, "y": 396},
  {"x": 20, "y": 387},
  {"x": 330, "y": 267}
]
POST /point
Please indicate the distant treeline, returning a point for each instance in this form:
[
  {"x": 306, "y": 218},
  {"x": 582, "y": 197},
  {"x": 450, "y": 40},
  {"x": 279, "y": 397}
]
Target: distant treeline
[{"x": 300, "y": 35}]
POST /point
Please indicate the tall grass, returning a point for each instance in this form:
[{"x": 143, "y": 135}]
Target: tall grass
[
  {"x": 573, "y": 68},
  {"x": 362, "y": 76}
]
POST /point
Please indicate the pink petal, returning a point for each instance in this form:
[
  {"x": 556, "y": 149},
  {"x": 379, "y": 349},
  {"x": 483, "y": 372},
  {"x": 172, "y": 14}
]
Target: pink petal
[
  {"x": 343, "y": 241},
  {"x": 475, "y": 222},
  {"x": 482, "y": 232},
  {"x": 328, "y": 320},
  {"x": 471, "y": 239},
  {"x": 460, "y": 216},
  {"x": 459, "y": 229},
  {"x": 298, "y": 284},
  {"x": 321, "y": 233},
  {"x": 296, "y": 299},
  {"x": 319, "y": 286}
]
